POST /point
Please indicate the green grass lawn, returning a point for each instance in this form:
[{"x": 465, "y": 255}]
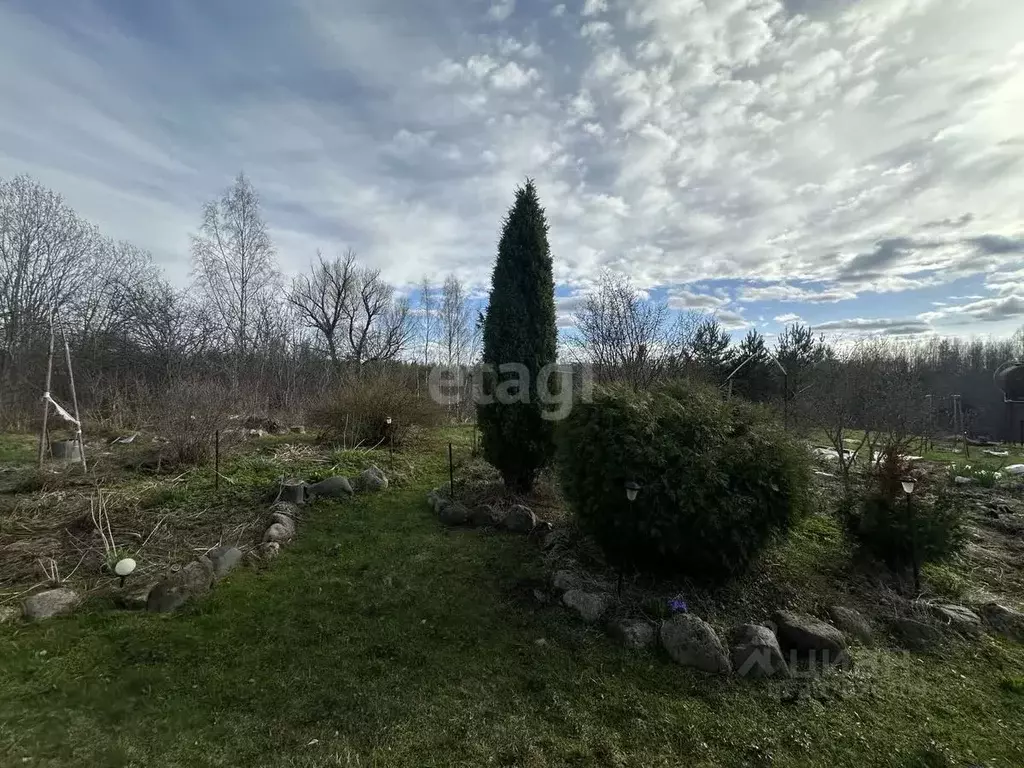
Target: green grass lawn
[{"x": 380, "y": 639}]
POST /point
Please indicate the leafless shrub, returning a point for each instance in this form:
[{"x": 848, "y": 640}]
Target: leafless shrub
[
  {"x": 355, "y": 413},
  {"x": 188, "y": 414},
  {"x": 625, "y": 337}
]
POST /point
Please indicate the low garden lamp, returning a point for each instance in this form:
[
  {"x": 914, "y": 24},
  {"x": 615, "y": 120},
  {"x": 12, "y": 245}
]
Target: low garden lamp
[
  {"x": 908, "y": 488},
  {"x": 632, "y": 489},
  {"x": 123, "y": 568}
]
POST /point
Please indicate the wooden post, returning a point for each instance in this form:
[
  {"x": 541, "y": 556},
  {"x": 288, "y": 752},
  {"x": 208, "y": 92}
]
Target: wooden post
[
  {"x": 216, "y": 460},
  {"x": 74, "y": 400},
  {"x": 46, "y": 402}
]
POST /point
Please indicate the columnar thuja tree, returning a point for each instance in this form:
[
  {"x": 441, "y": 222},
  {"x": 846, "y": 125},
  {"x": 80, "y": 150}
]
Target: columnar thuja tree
[{"x": 519, "y": 339}]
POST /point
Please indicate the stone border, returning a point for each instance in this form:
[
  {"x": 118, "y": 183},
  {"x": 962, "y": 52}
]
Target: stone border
[
  {"x": 517, "y": 518},
  {"x": 199, "y": 576},
  {"x": 754, "y": 650}
]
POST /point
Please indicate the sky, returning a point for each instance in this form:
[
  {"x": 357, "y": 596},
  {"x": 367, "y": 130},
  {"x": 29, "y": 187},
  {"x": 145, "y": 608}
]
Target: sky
[{"x": 852, "y": 164}]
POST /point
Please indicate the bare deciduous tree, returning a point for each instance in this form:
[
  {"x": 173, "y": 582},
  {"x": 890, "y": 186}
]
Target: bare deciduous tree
[
  {"x": 456, "y": 323},
  {"x": 378, "y": 326},
  {"x": 428, "y": 317},
  {"x": 321, "y": 298},
  {"x": 234, "y": 263},
  {"x": 622, "y": 335},
  {"x": 47, "y": 256},
  {"x": 353, "y": 309}
]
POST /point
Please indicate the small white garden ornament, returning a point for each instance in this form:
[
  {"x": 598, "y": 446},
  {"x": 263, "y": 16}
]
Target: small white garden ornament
[{"x": 124, "y": 568}]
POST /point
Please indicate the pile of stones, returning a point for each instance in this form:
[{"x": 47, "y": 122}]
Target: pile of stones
[{"x": 516, "y": 518}]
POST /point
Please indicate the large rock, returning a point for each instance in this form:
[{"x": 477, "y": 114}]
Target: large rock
[
  {"x": 52, "y": 602},
  {"x": 958, "y": 618},
  {"x": 635, "y": 635},
  {"x": 589, "y": 606},
  {"x": 224, "y": 560},
  {"x": 454, "y": 513},
  {"x": 851, "y": 623},
  {"x": 331, "y": 487},
  {"x": 1003, "y": 621},
  {"x": 194, "y": 580},
  {"x": 269, "y": 550},
  {"x": 287, "y": 508},
  {"x": 286, "y": 522},
  {"x": 278, "y": 533},
  {"x": 810, "y": 636},
  {"x": 563, "y": 581},
  {"x": 293, "y": 491},
  {"x": 557, "y": 538},
  {"x": 134, "y": 596},
  {"x": 371, "y": 480},
  {"x": 916, "y": 635},
  {"x": 755, "y": 652},
  {"x": 487, "y": 516},
  {"x": 693, "y": 643},
  {"x": 520, "y": 519}
]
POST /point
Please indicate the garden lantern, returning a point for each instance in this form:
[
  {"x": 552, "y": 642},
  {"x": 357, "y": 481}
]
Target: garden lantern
[
  {"x": 123, "y": 568},
  {"x": 908, "y": 488},
  {"x": 632, "y": 489}
]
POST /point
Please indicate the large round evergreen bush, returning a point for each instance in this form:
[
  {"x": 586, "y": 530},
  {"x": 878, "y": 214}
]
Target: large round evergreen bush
[{"x": 718, "y": 479}]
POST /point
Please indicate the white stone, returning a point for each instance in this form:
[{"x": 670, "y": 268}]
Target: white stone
[{"x": 124, "y": 567}]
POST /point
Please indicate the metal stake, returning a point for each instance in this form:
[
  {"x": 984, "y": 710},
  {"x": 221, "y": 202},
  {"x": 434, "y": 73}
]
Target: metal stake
[{"x": 451, "y": 472}]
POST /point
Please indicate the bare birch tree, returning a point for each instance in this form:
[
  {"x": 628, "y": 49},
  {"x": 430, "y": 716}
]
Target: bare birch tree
[
  {"x": 428, "y": 317},
  {"x": 456, "y": 322},
  {"x": 234, "y": 265}
]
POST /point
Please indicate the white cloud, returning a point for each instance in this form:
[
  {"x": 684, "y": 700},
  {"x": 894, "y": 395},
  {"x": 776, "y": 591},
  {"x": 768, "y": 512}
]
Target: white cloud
[
  {"x": 682, "y": 299},
  {"x": 999, "y": 309},
  {"x": 731, "y": 320},
  {"x": 501, "y": 10},
  {"x": 795, "y": 294},
  {"x": 883, "y": 326},
  {"x": 512, "y": 77},
  {"x": 787, "y": 318},
  {"x": 679, "y": 141}
]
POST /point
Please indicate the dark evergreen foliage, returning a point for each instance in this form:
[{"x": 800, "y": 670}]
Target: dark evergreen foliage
[
  {"x": 718, "y": 479},
  {"x": 519, "y": 329}
]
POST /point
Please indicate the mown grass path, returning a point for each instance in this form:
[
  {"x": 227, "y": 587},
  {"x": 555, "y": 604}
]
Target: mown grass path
[{"x": 379, "y": 639}]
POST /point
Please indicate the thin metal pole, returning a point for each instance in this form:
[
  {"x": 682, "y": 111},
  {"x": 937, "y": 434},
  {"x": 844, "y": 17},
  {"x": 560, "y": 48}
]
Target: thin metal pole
[
  {"x": 913, "y": 548},
  {"x": 216, "y": 460},
  {"x": 785, "y": 402},
  {"x": 74, "y": 400},
  {"x": 451, "y": 472},
  {"x": 46, "y": 402}
]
